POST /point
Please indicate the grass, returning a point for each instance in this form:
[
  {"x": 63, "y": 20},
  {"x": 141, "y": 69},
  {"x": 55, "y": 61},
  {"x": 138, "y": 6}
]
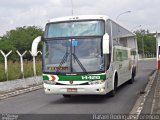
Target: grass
[{"x": 15, "y": 73}]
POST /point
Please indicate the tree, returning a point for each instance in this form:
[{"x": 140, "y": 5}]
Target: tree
[
  {"x": 148, "y": 40},
  {"x": 19, "y": 39}
]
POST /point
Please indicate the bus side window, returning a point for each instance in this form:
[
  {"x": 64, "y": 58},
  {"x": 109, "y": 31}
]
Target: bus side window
[
  {"x": 124, "y": 55},
  {"x": 118, "y": 55}
]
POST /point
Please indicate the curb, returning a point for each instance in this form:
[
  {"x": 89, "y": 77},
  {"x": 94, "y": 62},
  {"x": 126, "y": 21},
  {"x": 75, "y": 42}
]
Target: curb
[
  {"x": 19, "y": 92},
  {"x": 137, "y": 108}
]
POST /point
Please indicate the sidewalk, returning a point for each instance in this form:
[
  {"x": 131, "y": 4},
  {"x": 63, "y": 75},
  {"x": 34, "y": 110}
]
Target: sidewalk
[
  {"x": 7, "y": 86},
  {"x": 148, "y": 102},
  {"x": 156, "y": 100},
  {"x": 19, "y": 86},
  {"x": 152, "y": 102}
]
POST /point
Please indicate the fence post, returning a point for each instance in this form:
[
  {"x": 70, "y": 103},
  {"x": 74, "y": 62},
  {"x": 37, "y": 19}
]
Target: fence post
[
  {"x": 34, "y": 64},
  {"x": 39, "y": 52},
  {"x": 5, "y": 62},
  {"x": 21, "y": 60}
]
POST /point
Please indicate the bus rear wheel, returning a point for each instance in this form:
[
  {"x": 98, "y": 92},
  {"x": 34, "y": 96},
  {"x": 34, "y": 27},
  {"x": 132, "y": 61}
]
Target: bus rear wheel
[
  {"x": 131, "y": 81},
  {"x": 66, "y": 96}
]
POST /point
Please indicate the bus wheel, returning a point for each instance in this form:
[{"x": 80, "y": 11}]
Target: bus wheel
[
  {"x": 66, "y": 96},
  {"x": 131, "y": 81},
  {"x": 113, "y": 92}
]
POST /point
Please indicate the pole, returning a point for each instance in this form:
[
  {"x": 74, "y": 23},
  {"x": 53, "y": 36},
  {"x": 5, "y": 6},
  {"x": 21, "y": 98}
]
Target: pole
[
  {"x": 34, "y": 63},
  {"x": 5, "y": 62},
  {"x": 143, "y": 46},
  {"x": 21, "y": 61},
  {"x": 122, "y": 14},
  {"x": 34, "y": 66},
  {"x": 158, "y": 50}
]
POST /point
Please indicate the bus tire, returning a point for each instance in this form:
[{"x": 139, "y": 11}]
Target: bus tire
[
  {"x": 66, "y": 96},
  {"x": 113, "y": 92},
  {"x": 131, "y": 81},
  {"x": 135, "y": 71}
]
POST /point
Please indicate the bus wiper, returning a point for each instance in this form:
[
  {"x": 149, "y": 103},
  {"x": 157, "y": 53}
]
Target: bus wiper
[
  {"x": 64, "y": 59},
  {"x": 80, "y": 64}
]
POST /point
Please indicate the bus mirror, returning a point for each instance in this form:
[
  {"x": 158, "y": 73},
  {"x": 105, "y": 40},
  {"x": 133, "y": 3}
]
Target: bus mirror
[
  {"x": 106, "y": 44},
  {"x": 35, "y": 45}
]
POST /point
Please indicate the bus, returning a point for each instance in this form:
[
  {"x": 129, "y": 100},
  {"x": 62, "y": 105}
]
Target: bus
[{"x": 86, "y": 55}]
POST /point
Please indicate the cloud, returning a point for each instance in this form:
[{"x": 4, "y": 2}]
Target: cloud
[
  {"x": 56, "y": 2},
  {"x": 20, "y": 4},
  {"x": 15, "y": 13}
]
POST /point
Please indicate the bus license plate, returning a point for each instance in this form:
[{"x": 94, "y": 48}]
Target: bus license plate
[{"x": 71, "y": 89}]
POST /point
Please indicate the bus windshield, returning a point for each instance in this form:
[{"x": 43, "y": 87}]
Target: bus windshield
[
  {"x": 76, "y": 28},
  {"x": 73, "y": 55}
]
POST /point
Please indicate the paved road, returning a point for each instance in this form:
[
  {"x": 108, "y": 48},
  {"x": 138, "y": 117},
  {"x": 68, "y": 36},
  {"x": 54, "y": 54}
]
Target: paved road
[{"x": 38, "y": 102}]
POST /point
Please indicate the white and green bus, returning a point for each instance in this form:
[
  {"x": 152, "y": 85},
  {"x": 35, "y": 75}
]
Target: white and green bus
[{"x": 88, "y": 54}]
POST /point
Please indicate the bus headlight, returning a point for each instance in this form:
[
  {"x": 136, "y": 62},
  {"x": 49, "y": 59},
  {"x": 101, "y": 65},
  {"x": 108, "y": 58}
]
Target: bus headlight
[
  {"x": 95, "y": 82},
  {"x": 49, "y": 82}
]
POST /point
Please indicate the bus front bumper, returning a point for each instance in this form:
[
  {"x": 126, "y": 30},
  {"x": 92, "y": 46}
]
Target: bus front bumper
[{"x": 75, "y": 89}]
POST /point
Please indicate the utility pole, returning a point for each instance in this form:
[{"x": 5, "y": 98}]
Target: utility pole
[{"x": 143, "y": 34}]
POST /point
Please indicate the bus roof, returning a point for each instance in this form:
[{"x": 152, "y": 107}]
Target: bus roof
[
  {"x": 85, "y": 17},
  {"x": 80, "y": 17}
]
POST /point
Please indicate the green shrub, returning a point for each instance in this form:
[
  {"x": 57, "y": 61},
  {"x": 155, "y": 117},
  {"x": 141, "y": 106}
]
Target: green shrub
[{"x": 14, "y": 70}]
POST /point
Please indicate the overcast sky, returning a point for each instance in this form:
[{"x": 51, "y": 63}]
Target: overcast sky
[{"x": 17, "y": 13}]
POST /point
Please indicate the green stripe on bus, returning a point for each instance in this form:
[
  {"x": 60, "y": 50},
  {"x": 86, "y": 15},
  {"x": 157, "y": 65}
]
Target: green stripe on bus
[
  {"x": 82, "y": 78},
  {"x": 45, "y": 77},
  {"x": 77, "y": 77}
]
